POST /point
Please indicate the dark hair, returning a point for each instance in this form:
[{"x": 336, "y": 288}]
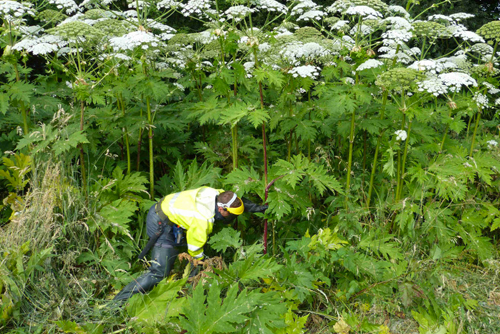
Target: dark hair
[{"x": 226, "y": 197}]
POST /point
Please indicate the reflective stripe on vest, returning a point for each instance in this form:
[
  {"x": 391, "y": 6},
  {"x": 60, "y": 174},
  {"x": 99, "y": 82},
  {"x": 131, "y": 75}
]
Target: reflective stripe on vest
[{"x": 194, "y": 211}]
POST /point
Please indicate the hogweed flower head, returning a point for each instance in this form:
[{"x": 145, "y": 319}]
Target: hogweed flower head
[
  {"x": 50, "y": 15},
  {"x": 461, "y": 16},
  {"x": 469, "y": 36},
  {"x": 69, "y": 5},
  {"x": 363, "y": 11},
  {"x": 433, "y": 86},
  {"x": 401, "y": 135},
  {"x": 113, "y": 27},
  {"x": 398, "y": 79},
  {"x": 311, "y": 15},
  {"x": 369, "y": 64},
  {"x": 303, "y": 6},
  {"x": 490, "y": 31},
  {"x": 492, "y": 144},
  {"x": 40, "y": 46},
  {"x": 271, "y": 6},
  {"x": 237, "y": 13},
  {"x": 481, "y": 100},
  {"x": 14, "y": 9},
  {"x": 307, "y": 71},
  {"x": 341, "y": 6},
  {"x": 456, "y": 80},
  {"x": 398, "y": 23},
  {"x": 429, "y": 29},
  {"x": 398, "y": 10},
  {"x": 76, "y": 29},
  {"x": 134, "y": 40}
]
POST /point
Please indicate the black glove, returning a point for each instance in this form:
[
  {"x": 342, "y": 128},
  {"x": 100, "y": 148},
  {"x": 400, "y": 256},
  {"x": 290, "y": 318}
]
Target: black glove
[{"x": 252, "y": 207}]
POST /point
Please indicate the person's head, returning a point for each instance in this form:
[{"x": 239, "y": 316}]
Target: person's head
[{"x": 229, "y": 205}]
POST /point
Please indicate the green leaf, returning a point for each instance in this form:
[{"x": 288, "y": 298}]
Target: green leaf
[
  {"x": 159, "y": 304},
  {"x": 226, "y": 238},
  {"x": 118, "y": 214},
  {"x": 21, "y": 91},
  {"x": 258, "y": 116},
  {"x": 253, "y": 269},
  {"x": 62, "y": 146},
  {"x": 4, "y": 103}
]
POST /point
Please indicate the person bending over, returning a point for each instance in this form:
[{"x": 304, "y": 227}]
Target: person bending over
[{"x": 183, "y": 219}]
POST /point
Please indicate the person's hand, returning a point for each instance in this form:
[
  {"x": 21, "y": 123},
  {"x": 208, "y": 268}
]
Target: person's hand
[{"x": 261, "y": 208}]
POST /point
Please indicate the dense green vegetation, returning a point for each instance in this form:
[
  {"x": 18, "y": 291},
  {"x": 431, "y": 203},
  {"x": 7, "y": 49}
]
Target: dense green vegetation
[{"x": 370, "y": 129}]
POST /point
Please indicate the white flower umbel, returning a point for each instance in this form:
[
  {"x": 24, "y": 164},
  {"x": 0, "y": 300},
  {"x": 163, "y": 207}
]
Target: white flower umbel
[
  {"x": 426, "y": 65},
  {"x": 195, "y": 7},
  {"x": 167, "y": 4},
  {"x": 282, "y": 32},
  {"x": 133, "y": 40},
  {"x": 401, "y": 135},
  {"x": 440, "y": 17},
  {"x": 237, "y": 13},
  {"x": 142, "y": 4},
  {"x": 363, "y": 11},
  {"x": 297, "y": 50},
  {"x": 491, "y": 88},
  {"x": 469, "y": 36},
  {"x": 396, "y": 37},
  {"x": 398, "y": 23},
  {"x": 69, "y": 5},
  {"x": 307, "y": 71},
  {"x": 433, "y": 86},
  {"x": 271, "y": 6},
  {"x": 249, "y": 66},
  {"x": 497, "y": 102},
  {"x": 461, "y": 16},
  {"x": 349, "y": 81},
  {"x": 363, "y": 30},
  {"x": 370, "y": 63},
  {"x": 40, "y": 46},
  {"x": 179, "y": 86},
  {"x": 481, "y": 100},
  {"x": 398, "y": 10},
  {"x": 303, "y": 6},
  {"x": 205, "y": 37},
  {"x": 166, "y": 31},
  {"x": 311, "y": 15},
  {"x": 492, "y": 144},
  {"x": 339, "y": 25},
  {"x": 15, "y": 9},
  {"x": 456, "y": 80}
]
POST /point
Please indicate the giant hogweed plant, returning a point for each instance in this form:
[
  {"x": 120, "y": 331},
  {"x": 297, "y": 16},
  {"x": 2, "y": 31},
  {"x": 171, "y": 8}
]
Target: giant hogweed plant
[{"x": 358, "y": 100}]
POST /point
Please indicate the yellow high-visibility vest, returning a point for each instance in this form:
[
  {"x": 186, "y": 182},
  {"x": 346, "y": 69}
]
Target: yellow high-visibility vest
[{"x": 194, "y": 211}]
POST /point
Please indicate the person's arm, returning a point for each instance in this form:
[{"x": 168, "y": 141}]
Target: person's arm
[
  {"x": 252, "y": 207},
  {"x": 196, "y": 237}
]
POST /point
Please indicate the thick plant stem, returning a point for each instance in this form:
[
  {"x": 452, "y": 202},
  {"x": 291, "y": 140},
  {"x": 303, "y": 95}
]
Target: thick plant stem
[
  {"x": 478, "y": 119},
  {"x": 349, "y": 164},
  {"x": 266, "y": 193},
  {"x": 125, "y": 136},
  {"x": 403, "y": 123},
  {"x": 444, "y": 136},
  {"x": 375, "y": 158},
  {"x": 234, "y": 135},
  {"x": 402, "y": 176},
  {"x": 150, "y": 140},
  {"x": 80, "y": 147},
  {"x": 261, "y": 95}
]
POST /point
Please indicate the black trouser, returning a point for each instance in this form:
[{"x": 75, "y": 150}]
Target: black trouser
[{"x": 163, "y": 258}]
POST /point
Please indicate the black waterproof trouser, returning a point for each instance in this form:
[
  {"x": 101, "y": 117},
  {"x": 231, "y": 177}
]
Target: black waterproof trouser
[
  {"x": 162, "y": 262},
  {"x": 163, "y": 257}
]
